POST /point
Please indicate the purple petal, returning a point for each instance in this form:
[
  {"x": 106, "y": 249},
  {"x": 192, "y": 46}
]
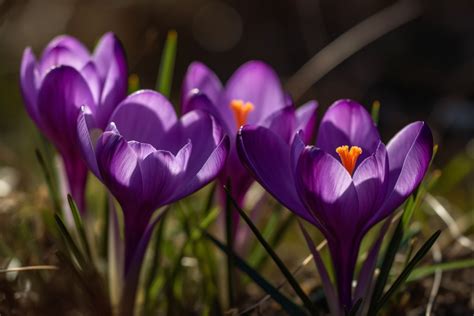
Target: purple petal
[
  {"x": 208, "y": 171},
  {"x": 70, "y": 43},
  {"x": 76, "y": 177},
  {"x": 200, "y": 77},
  {"x": 371, "y": 181},
  {"x": 297, "y": 148},
  {"x": 145, "y": 116},
  {"x": 28, "y": 83},
  {"x": 200, "y": 101},
  {"x": 258, "y": 83},
  {"x": 60, "y": 56},
  {"x": 111, "y": 65},
  {"x": 86, "y": 124},
  {"x": 267, "y": 157},
  {"x": 60, "y": 98},
  {"x": 108, "y": 53},
  {"x": 306, "y": 119},
  {"x": 239, "y": 176},
  {"x": 89, "y": 72},
  {"x": 327, "y": 189},
  {"x": 282, "y": 123},
  {"x": 120, "y": 170},
  {"x": 347, "y": 123},
  {"x": 142, "y": 150},
  {"x": 202, "y": 130},
  {"x": 409, "y": 155},
  {"x": 162, "y": 174}
]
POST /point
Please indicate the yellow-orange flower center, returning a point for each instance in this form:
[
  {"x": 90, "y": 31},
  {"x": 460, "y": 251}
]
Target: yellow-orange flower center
[
  {"x": 349, "y": 157},
  {"x": 241, "y": 111}
]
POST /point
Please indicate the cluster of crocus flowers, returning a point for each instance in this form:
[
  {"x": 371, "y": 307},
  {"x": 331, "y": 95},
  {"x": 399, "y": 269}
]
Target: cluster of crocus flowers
[
  {"x": 248, "y": 129},
  {"x": 345, "y": 184},
  {"x": 253, "y": 95},
  {"x": 66, "y": 77}
]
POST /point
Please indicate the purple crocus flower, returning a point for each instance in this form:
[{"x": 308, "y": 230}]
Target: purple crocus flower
[
  {"x": 147, "y": 158},
  {"x": 66, "y": 77},
  {"x": 345, "y": 184},
  {"x": 252, "y": 95}
]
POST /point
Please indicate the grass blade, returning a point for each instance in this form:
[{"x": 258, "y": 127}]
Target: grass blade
[
  {"x": 387, "y": 263},
  {"x": 356, "y": 307},
  {"x": 153, "y": 270},
  {"x": 290, "y": 307},
  {"x": 274, "y": 239},
  {"x": 69, "y": 241},
  {"x": 366, "y": 273},
  {"x": 209, "y": 200},
  {"x": 329, "y": 291},
  {"x": 165, "y": 74},
  {"x": 421, "y": 272},
  {"x": 115, "y": 252},
  {"x": 53, "y": 192},
  {"x": 406, "y": 272},
  {"x": 230, "y": 244},
  {"x": 79, "y": 226},
  {"x": 291, "y": 280}
]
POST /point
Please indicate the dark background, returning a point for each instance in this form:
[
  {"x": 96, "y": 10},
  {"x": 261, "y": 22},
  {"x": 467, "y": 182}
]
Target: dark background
[{"x": 423, "y": 70}]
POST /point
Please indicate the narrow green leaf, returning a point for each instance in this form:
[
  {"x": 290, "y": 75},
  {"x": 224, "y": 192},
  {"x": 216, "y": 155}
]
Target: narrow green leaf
[
  {"x": 104, "y": 240},
  {"x": 375, "y": 111},
  {"x": 115, "y": 252},
  {"x": 422, "y": 272},
  {"x": 79, "y": 226},
  {"x": 329, "y": 291},
  {"x": 165, "y": 74},
  {"x": 290, "y": 307},
  {"x": 204, "y": 224},
  {"x": 257, "y": 254},
  {"x": 355, "y": 307},
  {"x": 49, "y": 182},
  {"x": 409, "y": 209},
  {"x": 153, "y": 270},
  {"x": 406, "y": 272},
  {"x": 69, "y": 241},
  {"x": 291, "y": 280},
  {"x": 275, "y": 236},
  {"x": 411, "y": 247},
  {"x": 166, "y": 280},
  {"x": 209, "y": 199},
  {"x": 230, "y": 244},
  {"x": 387, "y": 263},
  {"x": 435, "y": 152}
]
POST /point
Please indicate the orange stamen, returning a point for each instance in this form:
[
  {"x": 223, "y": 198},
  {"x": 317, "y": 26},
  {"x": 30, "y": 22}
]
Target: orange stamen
[
  {"x": 349, "y": 157},
  {"x": 241, "y": 111}
]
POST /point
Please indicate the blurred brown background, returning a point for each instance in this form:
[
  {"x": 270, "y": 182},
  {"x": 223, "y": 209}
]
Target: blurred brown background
[{"x": 421, "y": 70}]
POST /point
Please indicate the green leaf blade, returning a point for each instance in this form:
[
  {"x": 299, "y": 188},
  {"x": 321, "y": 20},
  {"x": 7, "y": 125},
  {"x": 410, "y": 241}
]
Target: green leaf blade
[
  {"x": 290, "y": 307},
  {"x": 406, "y": 272},
  {"x": 165, "y": 74},
  {"x": 284, "y": 270}
]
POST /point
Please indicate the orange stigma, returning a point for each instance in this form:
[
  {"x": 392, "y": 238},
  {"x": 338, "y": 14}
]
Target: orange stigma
[
  {"x": 241, "y": 111},
  {"x": 349, "y": 157}
]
